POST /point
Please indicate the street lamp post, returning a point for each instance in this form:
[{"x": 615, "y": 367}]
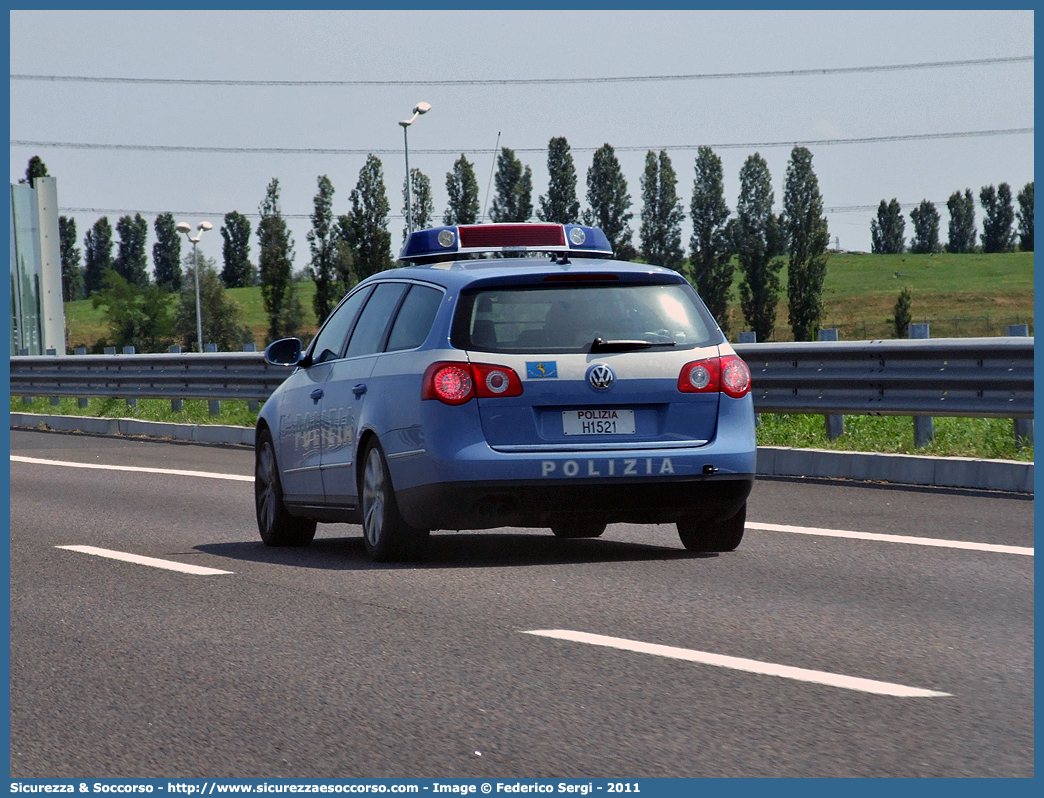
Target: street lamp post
[
  {"x": 418, "y": 109},
  {"x": 186, "y": 228}
]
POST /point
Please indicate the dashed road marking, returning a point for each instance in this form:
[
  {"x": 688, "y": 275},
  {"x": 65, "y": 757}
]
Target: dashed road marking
[
  {"x": 741, "y": 664},
  {"x": 909, "y": 539},
  {"x": 170, "y": 565}
]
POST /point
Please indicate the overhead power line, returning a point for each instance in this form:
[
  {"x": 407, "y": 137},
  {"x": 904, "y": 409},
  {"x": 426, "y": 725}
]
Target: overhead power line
[
  {"x": 71, "y": 145},
  {"x": 776, "y": 73},
  {"x": 838, "y": 209}
]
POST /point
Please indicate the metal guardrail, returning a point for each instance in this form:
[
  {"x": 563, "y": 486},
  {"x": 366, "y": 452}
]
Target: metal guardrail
[
  {"x": 976, "y": 377},
  {"x": 210, "y": 375}
]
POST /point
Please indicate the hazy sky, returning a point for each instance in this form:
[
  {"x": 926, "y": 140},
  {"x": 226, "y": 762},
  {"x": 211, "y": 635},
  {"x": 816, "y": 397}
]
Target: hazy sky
[{"x": 475, "y": 52}]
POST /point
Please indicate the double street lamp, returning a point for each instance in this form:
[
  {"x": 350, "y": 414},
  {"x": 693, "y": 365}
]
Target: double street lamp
[
  {"x": 418, "y": 109},
  {"x": 186, "y": 228}
]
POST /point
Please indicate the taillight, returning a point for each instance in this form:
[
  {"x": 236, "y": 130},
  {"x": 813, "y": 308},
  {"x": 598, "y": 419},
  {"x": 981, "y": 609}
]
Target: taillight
[
  {"x": 700, "y": 376},
  {"x": 451, "y": 383},
  {"x": 456, "y": 383},
  {"x": 496, "y": 381},
  {"x": 728, "y": 374},
  {"x": 735, "y": 377}
]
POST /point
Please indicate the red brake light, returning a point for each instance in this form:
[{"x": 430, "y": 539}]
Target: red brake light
[
  {"x": 456, "y": 383},
  {"x": 451, "y": 383},
  {"x": 728, "y": 374},
  {"x": 735, "y": 377}
]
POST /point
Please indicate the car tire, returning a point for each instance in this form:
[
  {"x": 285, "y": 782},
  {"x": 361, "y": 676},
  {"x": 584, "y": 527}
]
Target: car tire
[
  {"x": 704, "y": 536},
  {"x": 386, "y": 536},
  {"x": 577, "y": 529},
  {"x": 275, "y": 523}
]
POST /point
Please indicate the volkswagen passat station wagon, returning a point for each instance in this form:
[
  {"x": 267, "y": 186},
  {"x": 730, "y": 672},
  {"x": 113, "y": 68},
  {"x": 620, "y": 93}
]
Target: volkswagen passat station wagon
[{"x": 513, "y": 375}]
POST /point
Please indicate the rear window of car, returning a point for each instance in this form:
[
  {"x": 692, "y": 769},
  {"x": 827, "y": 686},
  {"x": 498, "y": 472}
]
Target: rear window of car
[{"x": 569, "y": 318}]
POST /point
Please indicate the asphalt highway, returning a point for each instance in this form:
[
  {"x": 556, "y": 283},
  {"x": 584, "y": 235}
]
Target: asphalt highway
[{"x": 807, "y": 652}]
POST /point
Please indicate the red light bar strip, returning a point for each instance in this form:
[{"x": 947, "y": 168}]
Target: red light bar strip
[{"x": 494, "y": 236}]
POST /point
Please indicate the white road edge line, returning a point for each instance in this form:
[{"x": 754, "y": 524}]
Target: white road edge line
[
  {"x": 740, "y": 664},
  {"x": 170, "y": 565},
  {"x": 140, "y": 469},
  {"x": 915, "y": 541}
]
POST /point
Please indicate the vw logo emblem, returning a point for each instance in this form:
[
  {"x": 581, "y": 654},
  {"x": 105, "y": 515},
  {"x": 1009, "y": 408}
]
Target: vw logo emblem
[{"x": 600, "y": 376}]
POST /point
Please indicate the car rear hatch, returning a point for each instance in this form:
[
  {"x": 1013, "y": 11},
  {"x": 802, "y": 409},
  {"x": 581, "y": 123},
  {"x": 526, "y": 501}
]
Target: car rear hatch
[{"x": 598, "y": 362}]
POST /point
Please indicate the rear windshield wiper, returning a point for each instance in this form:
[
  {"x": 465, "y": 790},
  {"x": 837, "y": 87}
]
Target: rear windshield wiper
[{"x": 625, "y": 345}]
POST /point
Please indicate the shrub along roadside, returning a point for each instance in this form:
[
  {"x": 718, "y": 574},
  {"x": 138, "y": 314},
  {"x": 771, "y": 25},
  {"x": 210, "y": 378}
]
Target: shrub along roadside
[{"x": 990, "y": 438}]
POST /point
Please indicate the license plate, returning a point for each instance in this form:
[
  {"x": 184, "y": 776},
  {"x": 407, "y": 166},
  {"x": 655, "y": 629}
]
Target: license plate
[{"x": 598, "y": 422}]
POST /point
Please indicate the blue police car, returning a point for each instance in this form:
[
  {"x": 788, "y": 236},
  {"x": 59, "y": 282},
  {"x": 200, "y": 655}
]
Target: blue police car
[{"x": 513, "y": 375}]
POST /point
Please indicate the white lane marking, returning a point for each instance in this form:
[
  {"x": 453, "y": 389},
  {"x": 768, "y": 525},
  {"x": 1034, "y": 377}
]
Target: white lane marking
[
  {"x": 142, "y": 469},
  {"x": 740, "y": 664},
  {"x": 915, "y": 541},
  {"x": 800, "y": 530},
  {"x": 170, "y": 565}
]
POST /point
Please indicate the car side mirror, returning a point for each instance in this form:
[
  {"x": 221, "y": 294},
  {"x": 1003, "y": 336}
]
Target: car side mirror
[{"x": 284, "y": 352}]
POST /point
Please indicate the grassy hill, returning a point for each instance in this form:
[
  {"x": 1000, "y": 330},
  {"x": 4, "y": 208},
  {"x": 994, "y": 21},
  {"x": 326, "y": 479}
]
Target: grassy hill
[{"x": 959, "y": 295}]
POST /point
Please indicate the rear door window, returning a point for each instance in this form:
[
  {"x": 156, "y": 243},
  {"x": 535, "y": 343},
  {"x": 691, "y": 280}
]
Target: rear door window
[{"x": 368, "y": 335}]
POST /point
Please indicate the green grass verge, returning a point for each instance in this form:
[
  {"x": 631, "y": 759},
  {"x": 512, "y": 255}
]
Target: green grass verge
[
  {"x": 954, "y": 437},
  {"x": 991, "y": 438},
  {"x": 194, "y": 411}
]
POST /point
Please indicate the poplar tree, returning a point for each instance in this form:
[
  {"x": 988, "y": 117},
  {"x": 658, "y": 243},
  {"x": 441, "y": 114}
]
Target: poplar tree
[
  {"x": 514, "y": 198},
  {"x": 759, "y": 288},
  {"x": 609, "y": 202},
  {"x": 962, "y": 222},
  {"x": 560, "y": 204},
  {"x": 662, "y": 213},
  {"x": 365, "y": 227},
  {"x": 997, "y": 233},
  {"x": 322, "y": 243},
  {"x": 887, "y": 231},
  {"x": 237, "y": 271},
  {"x": 166, "y": 253},
  {"x": 36, "y": 168},
  {"x": 275, "y": 263},
  {"x": 131, "y": 262},
  {"x": 72, "y": 274},
  {"x": 807, "y": 240},
  {"x": 97, "y": 255},
  {"x": 1026, "y": 218},
  {"x": 711, "y": 257},
  {"x": 925, "y": 220},
  {"x": 422, "y": 206},
  {"x": 463, "y": 191}
]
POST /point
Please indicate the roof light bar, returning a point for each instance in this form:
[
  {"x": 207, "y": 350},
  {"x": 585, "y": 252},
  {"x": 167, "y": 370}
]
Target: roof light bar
[{"x": 448, "y": 243}]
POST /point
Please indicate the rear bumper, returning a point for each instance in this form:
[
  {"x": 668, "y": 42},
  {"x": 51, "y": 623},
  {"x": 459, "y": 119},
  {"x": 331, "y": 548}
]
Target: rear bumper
[{"x": 485, "y": 505}]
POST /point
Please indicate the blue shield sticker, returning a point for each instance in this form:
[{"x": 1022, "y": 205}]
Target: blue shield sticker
[{"x": 542, "y": 370}]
